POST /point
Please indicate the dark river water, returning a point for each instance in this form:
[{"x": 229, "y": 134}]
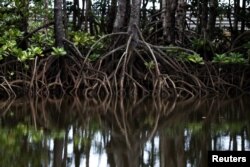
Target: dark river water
[{"x": 147, "y": 132}]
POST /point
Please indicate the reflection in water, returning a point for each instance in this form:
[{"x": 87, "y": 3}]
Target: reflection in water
[{"x": 120, "y": 133}]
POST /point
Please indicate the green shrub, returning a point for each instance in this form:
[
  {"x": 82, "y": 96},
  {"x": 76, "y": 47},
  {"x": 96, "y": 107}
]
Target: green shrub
[
  {"x": 195, "y": 58},
  {"x": 232, "y": 57}
]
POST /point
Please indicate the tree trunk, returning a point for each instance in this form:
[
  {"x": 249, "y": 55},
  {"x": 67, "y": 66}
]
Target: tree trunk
[
  {"x": 212, "y": 18},
  {"x": 75, "y": 13},
  {"x": 144, "y": 12},
  {"x": 168, "y": 15},
  {"x": 103, "y": 14},
  {"x": 87, "y": 15},
  {"x": 163, "y": 16},
  {"x": 58, "y": 15},
  {"x": 204, "y": 18},
  {"x": 81, "y": 19},
  {"x": 243, "y": 21},
  {"x": 120, "y": 16},
  {"x": 199, "y": 14},
  {"x": 153, "y": 4},
  {"x": 134, "y": 19},
  {"x": 127, "y": 13},
  {"x": 65, "y": 18},
  {"x": 92, "y": 29},
  {"x": 23, "y": 9},
  {"x": 229, "y": 17},
  {"x": 111, "y": 16},
  {"x": 236, "y": 18},
  {"x": 46, "y": 7},
  {"x": 58, "y": 152},
  {"x": 181, "y": 19},
  {"x": 135, "y": 13}
]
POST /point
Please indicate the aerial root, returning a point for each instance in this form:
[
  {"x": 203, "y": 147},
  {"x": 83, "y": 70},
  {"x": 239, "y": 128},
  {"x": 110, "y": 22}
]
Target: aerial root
[{"x": 132, "y": 68}]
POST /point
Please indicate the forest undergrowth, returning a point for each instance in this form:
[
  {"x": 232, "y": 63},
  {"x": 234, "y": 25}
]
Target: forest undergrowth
[{"x": 128, "y": 66}]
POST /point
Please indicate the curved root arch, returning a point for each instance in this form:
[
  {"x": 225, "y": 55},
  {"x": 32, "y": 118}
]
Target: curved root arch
[{"x": 136, "y": 66}]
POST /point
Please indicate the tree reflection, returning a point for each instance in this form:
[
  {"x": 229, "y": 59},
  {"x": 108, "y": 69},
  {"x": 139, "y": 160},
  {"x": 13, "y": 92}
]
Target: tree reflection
[
  {"x": 142, "y": 132},
  {"x": 172, "y": 151},
  {"x": 58, "y": 150}
]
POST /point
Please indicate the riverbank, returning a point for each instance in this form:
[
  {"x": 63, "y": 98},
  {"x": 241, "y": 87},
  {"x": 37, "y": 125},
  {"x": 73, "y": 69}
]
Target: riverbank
[{"x": 74, "y": 75}]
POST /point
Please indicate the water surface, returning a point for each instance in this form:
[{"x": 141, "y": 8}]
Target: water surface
[{"x": 145, "y": 132}]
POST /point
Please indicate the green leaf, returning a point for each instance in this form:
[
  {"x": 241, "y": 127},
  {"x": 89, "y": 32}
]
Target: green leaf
[
  {"x": 195, "y": 59},
  {"x": 35, "y": 51},
  {"x": 150, "y": 64},
  {"x": 232, "y": 57},
  {"x": 58, "y": 51},
  {"x": 94, "y": 56}
]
